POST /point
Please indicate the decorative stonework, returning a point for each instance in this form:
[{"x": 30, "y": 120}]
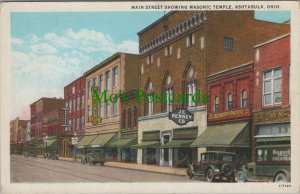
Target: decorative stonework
[
  {"x": 187, "y": 25},
  {"x": 229, "y": 115}
]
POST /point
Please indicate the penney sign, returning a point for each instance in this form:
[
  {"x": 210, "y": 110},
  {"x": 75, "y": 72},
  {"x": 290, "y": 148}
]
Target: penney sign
[{"x": 181, "y": 116}]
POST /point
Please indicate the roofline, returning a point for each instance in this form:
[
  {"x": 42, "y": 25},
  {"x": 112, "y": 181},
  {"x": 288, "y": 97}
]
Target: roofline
[
  {"x": 105, "y": 61},
  {"x": 272, "y": 40},
  {"x": 82, "y": 76},
  {"x": 244, "y": 64},
  {"x": 60, "y": 98},
  {"x": 155, "y": 22}
]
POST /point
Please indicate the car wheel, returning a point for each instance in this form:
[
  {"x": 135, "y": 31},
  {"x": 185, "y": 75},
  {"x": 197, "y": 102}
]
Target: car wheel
[
  {"x": 210, "y": 175},
  {"x": 189, "y": 173},
  {"x": 241, "y": 178},
  {"x": 280, "y": 177}
]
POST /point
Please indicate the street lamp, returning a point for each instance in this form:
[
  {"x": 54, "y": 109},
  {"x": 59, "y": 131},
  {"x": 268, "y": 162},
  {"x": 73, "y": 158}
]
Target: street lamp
[
  {"x": 74, "y": 143},
  {"x": 46, "y": 141}
]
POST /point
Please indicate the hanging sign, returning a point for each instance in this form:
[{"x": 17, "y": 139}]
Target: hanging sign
[{"x": 181, "y": 116}]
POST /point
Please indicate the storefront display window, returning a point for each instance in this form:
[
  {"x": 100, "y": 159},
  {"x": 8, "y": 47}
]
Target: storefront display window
[{"x": 274, "y": 130}]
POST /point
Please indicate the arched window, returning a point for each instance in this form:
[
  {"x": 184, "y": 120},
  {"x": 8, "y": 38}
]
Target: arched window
[
  {"x": 244, "y": 99},
  {"x": 190, "y": 87},
  {"x": 167, "y": 102},
  {"x": 129, "y": 118},
  {"x": 135, "y": 117},
  {"x": 149, "y": 99},
  {"x": 229, "y": 101},
  {"x": 124, "y": 119},
  {"x": 216, "y": 104}
]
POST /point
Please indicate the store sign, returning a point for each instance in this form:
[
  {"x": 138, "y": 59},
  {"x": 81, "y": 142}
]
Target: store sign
[
  {"x": 74, "y": 140},
  {"x": 181, "y": 116},
  {"x": 271, "y": 116},
  {"x": 281, "y": 155}
]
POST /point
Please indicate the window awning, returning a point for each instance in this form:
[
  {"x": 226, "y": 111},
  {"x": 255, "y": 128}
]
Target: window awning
[
  {"x": 146, "y": 144},
  {"x": 101, "y": 140},
  {"x": 233, "y": 134},
  {"x": 50, "y": 143},
  {"x": 274, "y": 146},
  {"x": 273, "y": 139},
  {"x": 122, "y": 143},
  {"x": 85, "y": 141},
  {"x": 177, "y": 144}
]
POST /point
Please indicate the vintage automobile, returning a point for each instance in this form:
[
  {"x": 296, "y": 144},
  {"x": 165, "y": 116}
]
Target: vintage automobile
[
  {"x": 93, "y": 157},
  {"x": 51, "y": 154},
  {"x": 30, "y": 152},
  {"x": 213, "y": 164},
  {"x": 272, "y": 164}
]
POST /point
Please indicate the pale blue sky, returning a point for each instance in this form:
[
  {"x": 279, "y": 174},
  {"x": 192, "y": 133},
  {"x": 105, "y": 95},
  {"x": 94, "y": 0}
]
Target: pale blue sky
[{"x": 51, "y": 49}]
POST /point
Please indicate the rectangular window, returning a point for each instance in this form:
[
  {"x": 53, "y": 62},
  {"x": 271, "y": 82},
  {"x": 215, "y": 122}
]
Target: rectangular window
[
  {"x": 78, "y": 126},
  {"x": 272, "y": 87},
  {"x": 78, "y": 102},
  {"x": 94, "y": 81},
  {"x": 89, "y": 111},
  {"x": 107, "y": 109},
  {"x": 107, "y": 81},
  {"x": 168, "y": 50},
  {"x": 190, "y": 40},
  {"x": 74, "y": 104},
  {"x": 100, "y": 112},
  {"x": 82, "y": 101},
  {"x": 178, "y": 53},
  {"x": 228, "y": 43},
  {"x": 273, "y": 130},
  {"x": 149, "y": 59},
  {"x": 115, "y": 70},
  {"x": 89, "y": 89},
  {"x": 82, "y": 122},
  {"x": 100, "y": 82},
  {"x": 115, "y": 109},
  {"x": 70, "y": 106}
]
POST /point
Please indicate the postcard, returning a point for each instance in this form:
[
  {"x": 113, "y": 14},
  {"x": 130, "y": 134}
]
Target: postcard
[{"x": 150, "y": 97}]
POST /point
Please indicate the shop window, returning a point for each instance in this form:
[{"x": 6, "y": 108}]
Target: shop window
[
  {"x": 244, "y": 100},
  {"x": 273, "y": 154},
  {"x": 228, "y": 43},
  {"x": 216, "y": 104},
  {"x": 229, "y": 102},
  {"x": 272, "y": 87}
]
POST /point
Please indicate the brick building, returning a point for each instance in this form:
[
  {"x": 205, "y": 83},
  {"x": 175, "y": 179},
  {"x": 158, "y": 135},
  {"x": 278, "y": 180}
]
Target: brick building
[
  {"x": 229, "y": 109},
  {"x": 46, "y": 121},
  {"x": 178, "y": 51},
  {"x": 271, "y": 102},
  {"x": 116, "y": 75},
  {"x": 18, "y": 129},
  {"x": 74, "y": 95}
]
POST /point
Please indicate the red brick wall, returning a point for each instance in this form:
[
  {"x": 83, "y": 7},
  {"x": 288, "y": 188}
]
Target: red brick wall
[{"x": 272, "y": 55}]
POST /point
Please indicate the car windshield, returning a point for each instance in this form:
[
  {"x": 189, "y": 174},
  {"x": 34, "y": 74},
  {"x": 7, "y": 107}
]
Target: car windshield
[{"x": 227, "y": 157}]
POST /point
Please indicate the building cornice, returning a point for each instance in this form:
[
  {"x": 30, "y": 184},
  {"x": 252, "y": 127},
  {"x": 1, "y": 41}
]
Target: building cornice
[{"x": 188, "y": 25}]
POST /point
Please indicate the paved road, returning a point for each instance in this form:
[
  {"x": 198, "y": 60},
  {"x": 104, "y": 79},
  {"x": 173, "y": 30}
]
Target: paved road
[{"x": 41, "y": 170}]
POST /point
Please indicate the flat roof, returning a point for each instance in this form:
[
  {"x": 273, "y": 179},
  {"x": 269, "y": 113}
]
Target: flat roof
[{"x": 272, "y": 40}]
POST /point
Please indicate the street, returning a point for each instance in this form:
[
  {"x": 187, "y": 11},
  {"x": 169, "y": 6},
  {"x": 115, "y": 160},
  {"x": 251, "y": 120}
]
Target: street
[{"x": 42, "y": 170}]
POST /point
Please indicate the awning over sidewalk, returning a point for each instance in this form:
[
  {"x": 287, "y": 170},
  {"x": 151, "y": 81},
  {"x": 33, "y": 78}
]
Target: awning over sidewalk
[
  {"x": 177, "y": 144},
  {"x": 233, "y": 134},
  {"x": 122, "y": 143},
  {"x": 101, "y": 140},
  {"x": 85, "y": 141},
  {"x": 146, "y": 144},
  {"x": 50, "y": 143}
]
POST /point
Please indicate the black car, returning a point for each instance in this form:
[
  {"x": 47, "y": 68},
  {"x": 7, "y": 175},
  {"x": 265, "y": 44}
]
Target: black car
[{"x": 214, "y": 164}]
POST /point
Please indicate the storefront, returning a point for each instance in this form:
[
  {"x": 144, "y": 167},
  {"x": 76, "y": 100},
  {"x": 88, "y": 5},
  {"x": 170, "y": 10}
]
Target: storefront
[
  {"x": 101, "y": 142},
  {"x": 123, "y": 145},
  {"x": 230, "y": 136}
]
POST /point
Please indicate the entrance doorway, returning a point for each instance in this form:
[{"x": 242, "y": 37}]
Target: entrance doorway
[{"x": 166, "y": 153}]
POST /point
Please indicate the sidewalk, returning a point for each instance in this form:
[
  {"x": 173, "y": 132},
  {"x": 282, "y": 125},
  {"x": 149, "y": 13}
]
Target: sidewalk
[{"x": 149, "y": 168}]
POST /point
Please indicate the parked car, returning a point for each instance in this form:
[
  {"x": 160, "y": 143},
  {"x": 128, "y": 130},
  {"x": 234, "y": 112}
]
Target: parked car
[
  {"x": 51, "y": 154},
  {"x": 30, "y": 152},
  {"x": 93, "y": 157},
  {"x": 214, "y": 164},
  {"x": 272, "y": 164}
]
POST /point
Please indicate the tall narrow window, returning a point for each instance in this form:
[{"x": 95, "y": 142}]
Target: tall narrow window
[
  {"x": 70, "y": 106},
  {"x": 190, "y": 40},
  {"x": 168, "y": 94},
  {"x": 135, "y": 117},
  {"x": 244, "y": 99},
  {"x": 89, "y": 89},
  {"x": 100, "y": 83},
  {"x": 216, "y": 104},
  {"x": 94, "y": 81},
  {"x": 272, "y": 87},
  {"x": 100, "y": 110},
  {"x": 89, "y": 113},
  {"x": 82, "y": 122},
  {"x": 78, "y": 124},
  {"x": 149, "y": 99},
  {"x": 229, "y": 101},
  {"x": 78, "y": 102},
  {"x": 190, "y": 88},
  {"x": 129, "y": 118},
  {"x": 124, "y": 119},
  {"x": 149, "y": 59},
  {"x": 115, "y": 81},
  {"x": 107, "y": 109},
  {"x": 107, "y": 80},
  {"x": 115, "y": 108},
  {"x": 82, "y": 101}
]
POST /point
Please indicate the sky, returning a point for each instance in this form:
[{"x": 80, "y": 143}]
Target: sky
[{"x": 52, "y": 49}]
